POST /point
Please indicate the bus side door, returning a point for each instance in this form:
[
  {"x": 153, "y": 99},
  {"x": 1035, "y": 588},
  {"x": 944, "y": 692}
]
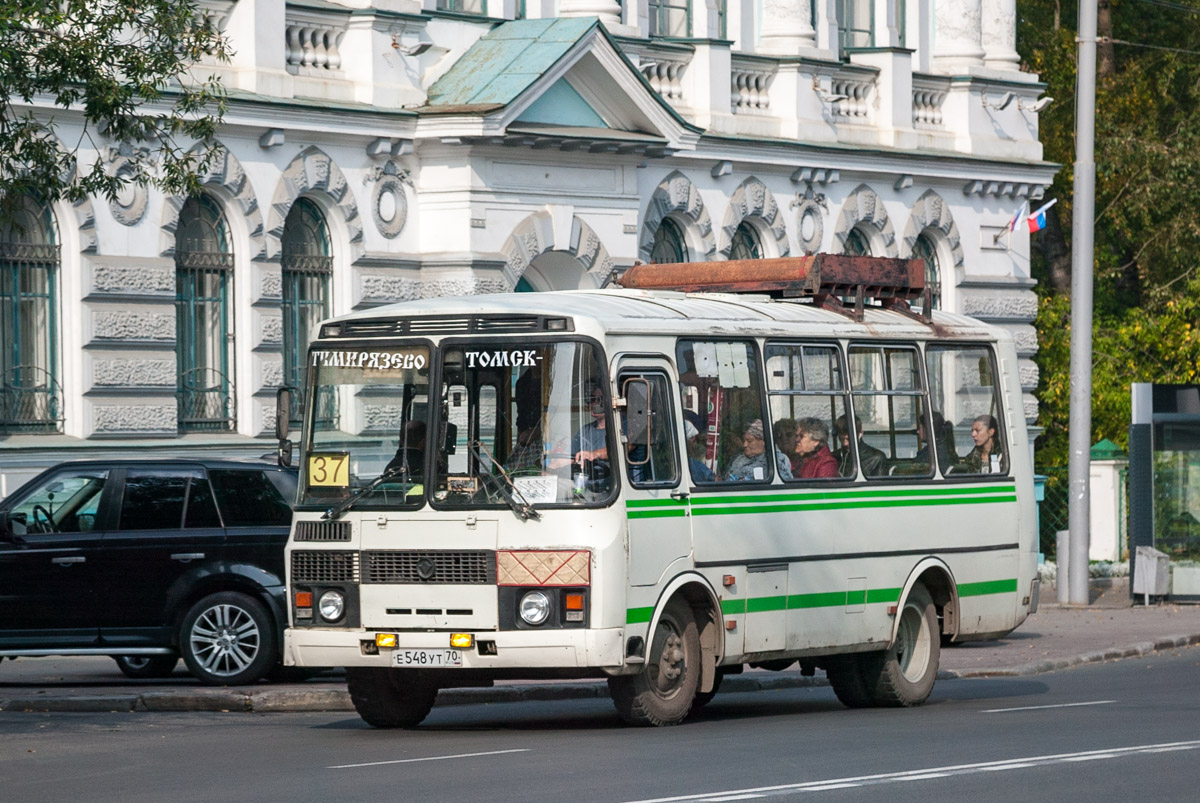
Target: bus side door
[{"x": 660, "y": 531}]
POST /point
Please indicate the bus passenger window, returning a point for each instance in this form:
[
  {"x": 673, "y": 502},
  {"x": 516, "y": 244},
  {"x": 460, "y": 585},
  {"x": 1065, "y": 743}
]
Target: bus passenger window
[
  {"x": 720, "y": 386},
  {"x": 648, "y": 428},
  {"x": 890, "y": 409},
  {"x": 808, "y": 395},
  {"x": 967, "y": 400}
]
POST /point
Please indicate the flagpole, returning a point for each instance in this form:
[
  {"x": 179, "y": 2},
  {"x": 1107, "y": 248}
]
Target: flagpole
[{"x": 1082, "y": 247}]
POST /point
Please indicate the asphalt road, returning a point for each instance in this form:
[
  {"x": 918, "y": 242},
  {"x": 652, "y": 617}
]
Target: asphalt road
[{"x": 1123, "y": 730}]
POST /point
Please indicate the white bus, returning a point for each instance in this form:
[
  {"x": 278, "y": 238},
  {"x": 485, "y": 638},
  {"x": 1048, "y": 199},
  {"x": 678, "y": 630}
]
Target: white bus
[{"x": 659, "y": 488}]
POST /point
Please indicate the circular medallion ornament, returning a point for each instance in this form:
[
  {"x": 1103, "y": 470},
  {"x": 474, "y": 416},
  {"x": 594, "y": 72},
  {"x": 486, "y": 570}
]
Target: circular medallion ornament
[
  {"x": 389, "y": 205},
  {"x": 130, "y": 204},
  {"x": 810, "y": 226}
]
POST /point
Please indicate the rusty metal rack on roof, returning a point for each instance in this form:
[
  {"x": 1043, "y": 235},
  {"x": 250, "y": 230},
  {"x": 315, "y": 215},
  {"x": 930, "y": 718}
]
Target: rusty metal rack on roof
[{"x": 833, "y": 281}]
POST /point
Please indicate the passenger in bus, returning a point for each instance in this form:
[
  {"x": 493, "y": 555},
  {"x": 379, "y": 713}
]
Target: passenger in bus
[
  {"x": 813, "y": 446},
  {"x": 528, "y": 455},
  {"x": 751, "y": 465},
  {"x": 591, "y": 441},
  {"x": 986, "y": 456},
  {"x": 943, "y": 439},
  {"x": 693, "y": 429},
  {"x": 874, "y": 461},
  {"x": 410, "y": 456},
  {"x": 785, "y": 441}
]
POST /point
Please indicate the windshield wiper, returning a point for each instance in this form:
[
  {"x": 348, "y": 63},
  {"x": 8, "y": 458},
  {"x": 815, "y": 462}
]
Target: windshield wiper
[
  {"x": 508, "y": 491},
  {"x": 344, "y": 505}
]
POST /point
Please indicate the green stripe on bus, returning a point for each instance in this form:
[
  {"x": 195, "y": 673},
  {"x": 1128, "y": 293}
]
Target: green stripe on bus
[
  {"x": 656, "y": 514},
  {"x": 655, "y": 502},
  {"x": 769, "y": 508},
  {"x": 636, "y": 616},
  {"x": 872, "y": 493},
  {"x": 988, "y": 587},
  {"x": 828, "y": 599}
]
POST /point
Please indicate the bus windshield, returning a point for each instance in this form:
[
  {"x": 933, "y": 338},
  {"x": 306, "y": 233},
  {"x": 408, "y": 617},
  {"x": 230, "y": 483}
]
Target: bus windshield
[
  {"x": 532, "y": 423},
  {"x": 368, "y": 417}
]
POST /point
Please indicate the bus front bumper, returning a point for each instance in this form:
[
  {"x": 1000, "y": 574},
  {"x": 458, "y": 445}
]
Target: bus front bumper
[{"x": 520, "y": 649}]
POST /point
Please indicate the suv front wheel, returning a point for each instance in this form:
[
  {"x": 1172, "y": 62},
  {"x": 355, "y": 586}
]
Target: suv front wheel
[{"x": 227, "y": 639}]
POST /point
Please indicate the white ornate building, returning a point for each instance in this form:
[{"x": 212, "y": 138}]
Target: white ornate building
[{"x": 378, "y": 150}]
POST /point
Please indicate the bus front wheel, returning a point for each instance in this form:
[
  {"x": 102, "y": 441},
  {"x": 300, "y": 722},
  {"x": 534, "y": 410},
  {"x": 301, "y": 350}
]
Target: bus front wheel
[
  {"x": 663, "y": 691},
  {"x": 904, "y": 674},
  {"x": 390, "y": 698}
]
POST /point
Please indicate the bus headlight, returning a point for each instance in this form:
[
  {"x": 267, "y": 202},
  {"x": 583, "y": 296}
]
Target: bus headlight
[
  {"x": 535, "y": 607},
  {"x": 332, "y": 605}
]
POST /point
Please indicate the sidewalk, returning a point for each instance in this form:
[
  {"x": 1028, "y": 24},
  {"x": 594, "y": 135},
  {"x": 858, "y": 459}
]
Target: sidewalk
[{"x": 1053, "y": 638}]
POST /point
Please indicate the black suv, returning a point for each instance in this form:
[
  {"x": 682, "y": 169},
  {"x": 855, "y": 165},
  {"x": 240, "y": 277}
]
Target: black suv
[{"x": 147, "y": 561}]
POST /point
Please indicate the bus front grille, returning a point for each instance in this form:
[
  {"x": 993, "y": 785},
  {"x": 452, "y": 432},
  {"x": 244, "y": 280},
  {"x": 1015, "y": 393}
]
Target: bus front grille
[
  {"x": 322, "y": 531},
  {"x": 440, "y": 567},
  {"x": 325, "y": 566}
]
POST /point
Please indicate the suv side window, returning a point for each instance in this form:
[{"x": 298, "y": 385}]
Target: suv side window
[
  {"x": 249, "y": 499},
  {"x": 67, "y": 502},
  {"x": 154, "y": 499}
]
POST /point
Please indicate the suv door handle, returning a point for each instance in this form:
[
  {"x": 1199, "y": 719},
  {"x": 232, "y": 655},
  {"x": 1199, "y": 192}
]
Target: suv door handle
[
  {"x": 185, "y": 557},
  {"x": 67, "y": 561}
]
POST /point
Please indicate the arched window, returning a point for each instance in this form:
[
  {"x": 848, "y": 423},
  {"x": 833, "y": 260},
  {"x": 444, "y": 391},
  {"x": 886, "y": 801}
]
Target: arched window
[
  {"x": 745, "y": 243},
  {"x": 669, "y": 245},
  {"x": 30, "y": 395},
  {"x": 924, "y": 248},
  {"x": 856, "y": 244},
  {"x": 307, "y": 267},
  {"x": 203, "y": 268}
]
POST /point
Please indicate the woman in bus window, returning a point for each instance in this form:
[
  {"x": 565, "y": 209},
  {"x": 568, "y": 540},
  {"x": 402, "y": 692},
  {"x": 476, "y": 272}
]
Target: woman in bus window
[
  {"x": 813, "y": 447},
  {"x": 985, "y": 457},
  {"x": 785, "y": 441},
  {"x": 751, "y": 464}
]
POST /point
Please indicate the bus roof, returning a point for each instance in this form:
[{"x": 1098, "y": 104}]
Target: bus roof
[{"x": 621, "y": 311}]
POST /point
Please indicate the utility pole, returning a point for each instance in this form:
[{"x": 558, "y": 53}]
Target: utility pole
[{"x": 1081, "y": 307}]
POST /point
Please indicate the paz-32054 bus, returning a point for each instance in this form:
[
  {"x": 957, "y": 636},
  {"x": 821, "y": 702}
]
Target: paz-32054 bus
[{"x": 660, "y": 487}]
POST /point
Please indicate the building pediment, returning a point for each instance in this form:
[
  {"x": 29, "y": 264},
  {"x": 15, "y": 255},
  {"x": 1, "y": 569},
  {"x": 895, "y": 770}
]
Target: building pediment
[{"x": 552, "y": 80}]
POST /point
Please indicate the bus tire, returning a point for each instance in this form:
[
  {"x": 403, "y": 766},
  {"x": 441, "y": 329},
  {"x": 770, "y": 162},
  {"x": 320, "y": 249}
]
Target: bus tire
[
  {"x": 904, "y": 675},
  {"x": 390, "y": 698},
  {"x": 845, "y": 674},
  {"x": 663, "y": 691}
]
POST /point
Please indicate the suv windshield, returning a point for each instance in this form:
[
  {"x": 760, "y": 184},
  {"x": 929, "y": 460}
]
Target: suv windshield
[
  {"x": 529, "y": 424},
  {"x": 370, "y": 416}
]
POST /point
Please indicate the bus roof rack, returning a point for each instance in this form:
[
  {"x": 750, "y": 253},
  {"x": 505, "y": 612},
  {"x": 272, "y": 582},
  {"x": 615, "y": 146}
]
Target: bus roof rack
[{"x": 827, "y": 279}]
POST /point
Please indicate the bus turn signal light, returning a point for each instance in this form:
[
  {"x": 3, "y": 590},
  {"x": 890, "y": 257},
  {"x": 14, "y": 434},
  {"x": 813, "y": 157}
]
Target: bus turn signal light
[
  {"x": 385, "y": 640},
  {"x": 462, "y": 641},
  {"x": 303, "y": 599},
  {"x": 574, "y": 602}
]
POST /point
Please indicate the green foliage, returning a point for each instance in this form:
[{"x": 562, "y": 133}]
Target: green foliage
[
  {"x": 126, "y": 68},
  {"x": 1147, "y": 227}
]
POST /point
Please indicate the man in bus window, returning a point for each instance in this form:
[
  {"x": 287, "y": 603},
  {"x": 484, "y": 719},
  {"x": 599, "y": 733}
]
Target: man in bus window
[
  {"x": 874, "y": 461},
  {"x": 813, "y": 446},
  {"x": 591, "y": 441},
  {"x": 751, "y": 465},
  {"x": 410, "y": 456}
]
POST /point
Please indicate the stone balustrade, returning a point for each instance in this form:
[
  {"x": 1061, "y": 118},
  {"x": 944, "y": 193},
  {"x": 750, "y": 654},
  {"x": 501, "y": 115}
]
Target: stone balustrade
[
  {"x": 928, "y": 95},
  {"x": 853, "y": 99},
  {"x": 313, "y": 39},
  {"x": 749, "y": 85}
]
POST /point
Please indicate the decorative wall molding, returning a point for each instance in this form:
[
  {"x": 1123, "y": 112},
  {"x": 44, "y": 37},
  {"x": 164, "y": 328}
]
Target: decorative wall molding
[
  {"x": 676, "y": 195},
  {"x": 389, "y": 200},
  {"x": 753, "y": 200},
  {"x": 864, "y": 206},
  {"x": 227, "y": 175},
  {"x": 932, "y": 212},
  {"x": 313, "y": 172}
]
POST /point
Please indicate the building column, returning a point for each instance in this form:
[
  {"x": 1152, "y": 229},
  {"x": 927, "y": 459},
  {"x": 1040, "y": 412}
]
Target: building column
[
  {"x": 999, "y": 34},
  {"x": 609, "y": 11},
  {"x": 787, "y": 27},
  {"x": 958, "y": 33}
]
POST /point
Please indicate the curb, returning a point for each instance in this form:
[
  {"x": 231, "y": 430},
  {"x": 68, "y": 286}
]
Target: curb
[{"x": 338, "y": 699}]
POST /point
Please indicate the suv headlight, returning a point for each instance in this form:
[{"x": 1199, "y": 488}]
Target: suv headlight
[
  {"x": 332, "y": 605},
  {"x": 535, "y": 607}
]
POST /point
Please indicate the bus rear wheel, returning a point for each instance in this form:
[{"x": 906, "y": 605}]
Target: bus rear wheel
[
  {"x": 904, "y": 674},
  {"x": 663, "y": 691},
  {"x": 390, "y": 698}
]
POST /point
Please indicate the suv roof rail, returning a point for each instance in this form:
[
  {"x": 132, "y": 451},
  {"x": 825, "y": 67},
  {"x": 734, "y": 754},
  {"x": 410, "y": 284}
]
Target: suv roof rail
[{"x": 827, "y": 279}]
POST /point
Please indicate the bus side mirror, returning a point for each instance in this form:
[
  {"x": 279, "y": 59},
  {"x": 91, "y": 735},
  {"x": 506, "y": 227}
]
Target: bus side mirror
[{"x": 283, "y": 419}]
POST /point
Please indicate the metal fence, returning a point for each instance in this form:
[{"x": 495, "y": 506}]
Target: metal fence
[{"x": 1053, "y": 510}]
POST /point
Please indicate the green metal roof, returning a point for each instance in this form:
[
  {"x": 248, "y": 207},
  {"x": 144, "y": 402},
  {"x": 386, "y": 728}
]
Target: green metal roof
[{"x": 507, "y": 60}]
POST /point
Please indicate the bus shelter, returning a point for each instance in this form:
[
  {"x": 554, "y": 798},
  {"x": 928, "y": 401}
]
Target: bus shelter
[{"x": 1164, "y": 481}]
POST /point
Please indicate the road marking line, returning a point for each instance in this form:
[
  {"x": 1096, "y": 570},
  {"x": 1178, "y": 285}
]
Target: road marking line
[
  {"x": 427, "y": 758},
  {"x": 729, "y": 797},
  {"x": 1044, "y": 707},
  {"x": 935, "y": 772}
]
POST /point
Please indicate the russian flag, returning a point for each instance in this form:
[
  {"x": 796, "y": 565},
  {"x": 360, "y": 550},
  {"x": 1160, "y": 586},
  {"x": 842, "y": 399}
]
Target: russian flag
[
  {"x": 1037, "y": 220},
  {"x": 1016, "y": 218}
]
